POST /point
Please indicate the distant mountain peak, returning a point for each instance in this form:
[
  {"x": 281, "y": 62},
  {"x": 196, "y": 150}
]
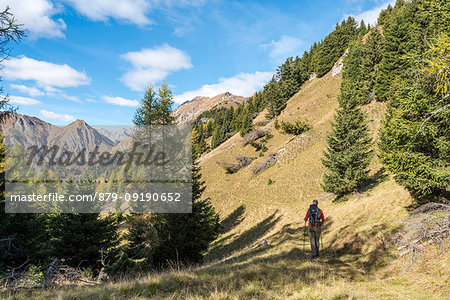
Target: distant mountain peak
[
  {"x": 12, "y": 118},
  {"x": 189, "y": 110},
  {"x": 78, "y": 123},
  {"x": 28, "y": 130}
]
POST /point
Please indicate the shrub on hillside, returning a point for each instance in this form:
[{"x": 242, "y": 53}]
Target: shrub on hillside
[
  {"x": 276, "y": 124},
  {"x": 296, "y": 128}
]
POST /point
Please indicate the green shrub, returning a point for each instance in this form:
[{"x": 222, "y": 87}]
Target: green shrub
[
  {"x": 295, "y": 128},
  {"x": 268, "y": 136},
  {"x": 276, "y": 124}
]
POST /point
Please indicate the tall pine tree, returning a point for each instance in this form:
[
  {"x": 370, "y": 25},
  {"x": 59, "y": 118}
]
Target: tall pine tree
[
  {"x": 349, "y": 152},
  {"x": 414, "y": 138},
  {"x": 156, "y": 239},
  {"x": 185, "y": 237}
]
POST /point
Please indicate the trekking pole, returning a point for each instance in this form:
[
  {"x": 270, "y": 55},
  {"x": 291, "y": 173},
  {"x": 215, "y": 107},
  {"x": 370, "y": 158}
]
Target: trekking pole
[
  {"x": 304, "y": 237},
  {"x": 321, "y": 242}
]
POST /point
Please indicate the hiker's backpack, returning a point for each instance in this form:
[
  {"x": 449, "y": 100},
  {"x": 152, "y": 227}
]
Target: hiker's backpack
[{"x": 314, "y": 215}]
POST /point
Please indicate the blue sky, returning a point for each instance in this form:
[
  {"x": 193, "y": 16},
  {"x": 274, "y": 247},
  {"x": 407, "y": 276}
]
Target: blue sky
[{"x": 92, "y": 59}]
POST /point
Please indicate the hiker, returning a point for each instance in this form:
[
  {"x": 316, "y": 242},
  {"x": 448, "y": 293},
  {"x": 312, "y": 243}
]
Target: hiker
[{"x": 316, "y": 219}]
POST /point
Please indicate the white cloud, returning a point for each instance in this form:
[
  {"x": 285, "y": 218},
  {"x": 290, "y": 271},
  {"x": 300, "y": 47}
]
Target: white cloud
[
  {"x": 55, "y": 116},
  {"x": 133, "y": 11},
  {"x": 243, "y": 84},
  {"x": 152, "y": 65},
  {"x": 61, "y": 94},
  {"x": 46, "y": 74},
  {"x": 179, "y": 3},
  {"x": 29, "y": 90},
  {"x": 371, "y": 16},
  {"x": 36, "y": 15},
  {"x": 23, "y": 100},
  {"x": 91, "y": 100},
  {"x": 71, "y": 98},
  {"x": 120, "y": 101},
  {"x": 285, "y": 47},
  {"x": 49, "y": 91}
]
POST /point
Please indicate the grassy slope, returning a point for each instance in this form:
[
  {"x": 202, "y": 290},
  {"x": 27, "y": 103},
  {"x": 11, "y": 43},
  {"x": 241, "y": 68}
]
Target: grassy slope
[{"x": 354, "y": 263}]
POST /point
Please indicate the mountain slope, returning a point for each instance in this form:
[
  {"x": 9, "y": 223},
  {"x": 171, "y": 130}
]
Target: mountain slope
[
  {"x": 261, "y": 253},
  {"x": 79, "y": 135},
  {"x": 189, "y": 110},
  {"x": 26, "y": 130}
]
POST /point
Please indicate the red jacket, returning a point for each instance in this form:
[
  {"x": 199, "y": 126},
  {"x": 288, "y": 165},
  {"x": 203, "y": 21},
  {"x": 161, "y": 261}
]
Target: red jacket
[{"x": 322, "y": 217}]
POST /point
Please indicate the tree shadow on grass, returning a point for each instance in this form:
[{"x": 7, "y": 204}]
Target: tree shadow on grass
[
  {"x": 232, "y": 220},
  {"x": 374, "y": 180},
  {"x": 291, "y": 234},
  {"x": 261, "y": 268},
  {"x": 370, "y": 183},
  {"x": 247, "y": 238},
  {"x": 350, "y": 243},
  {"x": 340, "y": 253}
]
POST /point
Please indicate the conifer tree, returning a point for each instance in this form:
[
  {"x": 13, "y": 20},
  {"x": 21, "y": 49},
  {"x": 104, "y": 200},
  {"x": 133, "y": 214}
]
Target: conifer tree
[
  {"x": 25, "y": 231},
  {"x": 142, "y": 237},
  {"x": 333, "y": 46},
  {"x": 159, "y": 238},
  {"x": 349, "y": 152},
  {"x": 246, "y": 123},
  {"x": 155, "y": 109},
  {"x": 80, "y": 238},
  {"x": 209, "y": 128},
  {"x": 218, "y": 136},
  {"x": 146, "y": 114},
  {"x": 10, "y": 31},
  {"x": 165, "y": 105},
  {"x": 414, "y": 138},
  {"x": 198, "y": 141},
  {"x": 185, "y": 237},
  {"x": 354, "y": 77},
  {"x": 275, "y": 103},
  {"x": 302, "y": 68},
  {"x": 372, "y": 58},
  {"x": 396, "y": 44}
]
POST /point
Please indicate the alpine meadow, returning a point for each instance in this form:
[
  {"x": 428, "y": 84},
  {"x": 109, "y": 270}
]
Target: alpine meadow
[{"x": 327, "y": 177}]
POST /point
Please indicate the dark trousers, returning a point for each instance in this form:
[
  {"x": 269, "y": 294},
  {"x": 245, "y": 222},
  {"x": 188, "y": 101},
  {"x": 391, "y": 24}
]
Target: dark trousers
[{"x": 314, "y": 237}]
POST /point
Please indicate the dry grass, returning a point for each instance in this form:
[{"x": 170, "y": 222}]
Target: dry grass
[{"x": 355, "y": 261}]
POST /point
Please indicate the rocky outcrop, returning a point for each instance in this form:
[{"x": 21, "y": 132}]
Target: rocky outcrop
[
  {"x": 254, "y": 135},
  {"x": 339, "y": 65},
  {"x": 270, "y": 161},
  {"x": 243, "y": 161}
]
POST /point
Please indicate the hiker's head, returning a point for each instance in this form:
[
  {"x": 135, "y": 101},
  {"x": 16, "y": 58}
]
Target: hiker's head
[{"x": 315, "y": 202}]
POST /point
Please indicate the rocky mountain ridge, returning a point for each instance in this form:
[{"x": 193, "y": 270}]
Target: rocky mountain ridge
[
  {"x": 27, "y": 131},
  {"x": 189, "y": 110}
]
